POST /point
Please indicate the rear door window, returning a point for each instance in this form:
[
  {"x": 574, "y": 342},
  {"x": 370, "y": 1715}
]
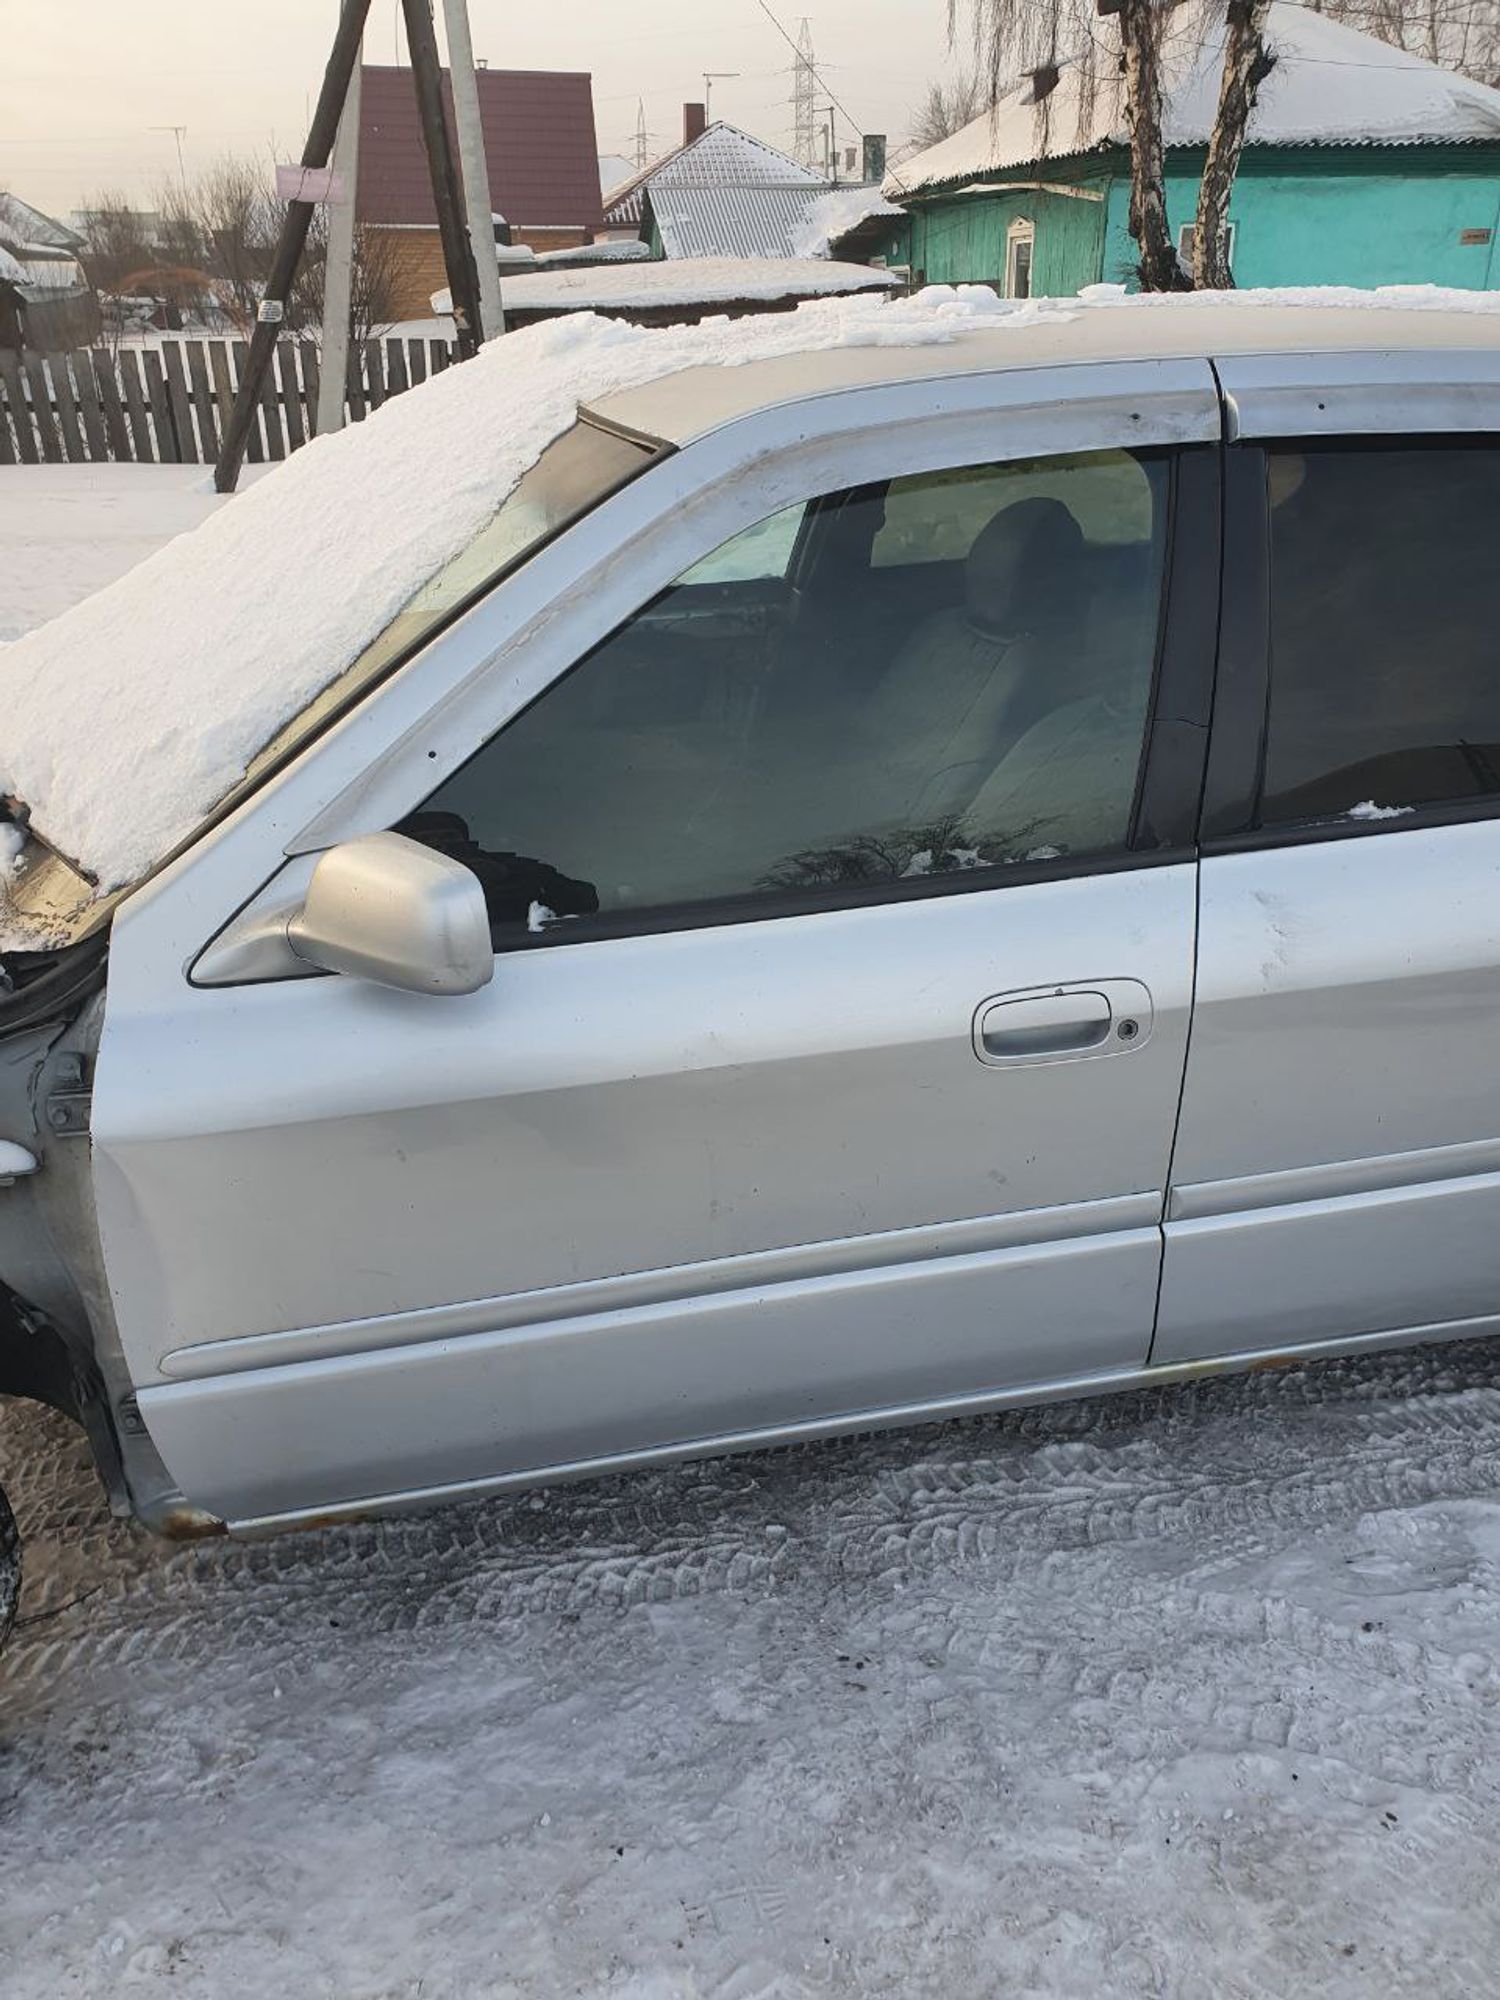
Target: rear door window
[{"x": 1384, "y": 629}]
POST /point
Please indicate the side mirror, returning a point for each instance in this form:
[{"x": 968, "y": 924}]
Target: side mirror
[{"x": 386, "y": 908}]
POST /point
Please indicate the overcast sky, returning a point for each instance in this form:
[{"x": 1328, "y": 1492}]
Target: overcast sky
[{"x": 83, "y": 82}]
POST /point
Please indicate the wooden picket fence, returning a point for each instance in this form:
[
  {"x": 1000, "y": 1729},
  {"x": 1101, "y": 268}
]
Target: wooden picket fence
[{"x": 167, "y": 405}]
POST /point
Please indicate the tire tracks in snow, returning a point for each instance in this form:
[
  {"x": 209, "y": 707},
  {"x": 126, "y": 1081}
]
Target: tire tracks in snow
[{"x": 1225, "y": 1469}]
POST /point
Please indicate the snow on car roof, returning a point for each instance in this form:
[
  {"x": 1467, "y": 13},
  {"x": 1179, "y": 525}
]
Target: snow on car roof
[{"x": 127, "y": 719}]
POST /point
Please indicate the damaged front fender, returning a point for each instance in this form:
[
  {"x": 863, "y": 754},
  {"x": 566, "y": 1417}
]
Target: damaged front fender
[{"x": 58, "y": 1342}]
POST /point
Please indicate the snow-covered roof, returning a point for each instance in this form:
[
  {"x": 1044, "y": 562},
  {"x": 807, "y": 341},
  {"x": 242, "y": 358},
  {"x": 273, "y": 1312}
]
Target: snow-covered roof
[
  {"x": 614, "y": 171},
  {"x": 45, "y": 276},
  {"x": 10, "y": 271},
  {"x": 609, "y": 250},
  {"x": 128, "y": 718},
  {"x": 721, "y": 156},
  {"x": 751, "y": 221},
  {"x": 1332, "y": 86},
  {"x": 724, "y": 154},
  {"x": 832, "y": 215},
  {"x": 21, "y": 223},
  {"x": 693, "y": 281}
]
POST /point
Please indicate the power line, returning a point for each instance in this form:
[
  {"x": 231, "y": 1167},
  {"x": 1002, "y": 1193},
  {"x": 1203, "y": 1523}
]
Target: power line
[{"x": 828, "y": 89}]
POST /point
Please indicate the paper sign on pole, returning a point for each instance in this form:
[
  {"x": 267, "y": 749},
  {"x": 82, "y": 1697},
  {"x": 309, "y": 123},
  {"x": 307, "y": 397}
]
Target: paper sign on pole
[{"x": 316, "y": 184}]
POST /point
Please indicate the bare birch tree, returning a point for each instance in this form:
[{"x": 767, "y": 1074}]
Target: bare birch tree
[
  {"x": 1462, "y": 35},
  {"x": 1247, "y": 62},
  {"x": 1120, "y": 47},
  {"x": 948, "y": 107}
]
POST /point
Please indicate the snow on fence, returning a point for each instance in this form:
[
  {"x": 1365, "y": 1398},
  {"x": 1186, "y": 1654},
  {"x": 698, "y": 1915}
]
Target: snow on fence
[{"x": 168, "y": 404}]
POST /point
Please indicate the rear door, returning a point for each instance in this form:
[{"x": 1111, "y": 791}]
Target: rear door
[
  {"x": 831, "y": 1061},
  {"x": 1337, "y": 1174}
]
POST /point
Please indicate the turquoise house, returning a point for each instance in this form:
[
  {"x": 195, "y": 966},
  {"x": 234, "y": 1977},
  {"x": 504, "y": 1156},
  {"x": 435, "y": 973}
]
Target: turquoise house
[{"x": 1364, "y": 166}]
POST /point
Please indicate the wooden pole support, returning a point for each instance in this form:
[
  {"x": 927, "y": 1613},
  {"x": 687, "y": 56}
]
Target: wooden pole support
[
  {"x": 298, "y": 219},
  {"x": 458, "y": 252}
]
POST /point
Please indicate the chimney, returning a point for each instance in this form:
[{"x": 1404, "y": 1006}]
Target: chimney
[
  {"x": 872, "y": 168},
  {"x": 694, "y": 122}
]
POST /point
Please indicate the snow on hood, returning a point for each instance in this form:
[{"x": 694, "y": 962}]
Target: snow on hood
[{"x": 124, "y": 721}]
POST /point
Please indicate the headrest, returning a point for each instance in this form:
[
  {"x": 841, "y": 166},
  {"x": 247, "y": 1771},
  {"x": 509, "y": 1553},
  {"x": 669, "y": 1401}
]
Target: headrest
[{"x": 1020, "y": 561}]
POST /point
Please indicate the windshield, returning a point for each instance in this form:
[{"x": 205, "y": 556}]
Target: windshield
[
  {"x": 584, "y": 466},
  {"x": 45, "y": 902}
]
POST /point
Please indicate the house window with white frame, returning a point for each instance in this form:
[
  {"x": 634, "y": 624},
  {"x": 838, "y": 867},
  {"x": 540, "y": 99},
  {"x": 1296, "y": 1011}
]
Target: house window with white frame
[
  {"x": 1187, "y": 235},
  {"x": 1020, "y": 242}
]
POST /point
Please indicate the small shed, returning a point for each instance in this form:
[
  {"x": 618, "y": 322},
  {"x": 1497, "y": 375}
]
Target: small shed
[{"x": 46, "y": 299}]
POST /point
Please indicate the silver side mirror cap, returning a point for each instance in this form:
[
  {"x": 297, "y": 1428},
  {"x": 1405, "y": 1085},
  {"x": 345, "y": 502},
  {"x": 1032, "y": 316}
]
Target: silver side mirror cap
[{"x": 386, "y": 908}]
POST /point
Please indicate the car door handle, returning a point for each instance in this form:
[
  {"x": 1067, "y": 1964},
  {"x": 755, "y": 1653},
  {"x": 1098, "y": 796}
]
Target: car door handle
[
  {"x": 1054, "y": 1024},
  {"x": 1104, "y": 1017}
]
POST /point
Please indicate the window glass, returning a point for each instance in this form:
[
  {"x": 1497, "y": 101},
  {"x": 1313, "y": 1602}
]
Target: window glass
[
  {"x": 935, "y": 516},
  {"x": 572, "y": 475},
  {"x": 1385, "y": 645},
  {"x": 877, "y": 724},
  {"x": 1019, "y": 241},
  {"x": 763, "y": 551}
]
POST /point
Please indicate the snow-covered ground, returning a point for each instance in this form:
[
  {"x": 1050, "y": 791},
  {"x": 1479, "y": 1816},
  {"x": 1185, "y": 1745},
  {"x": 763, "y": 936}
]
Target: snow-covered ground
[{"x": 1191, "y": 1693}]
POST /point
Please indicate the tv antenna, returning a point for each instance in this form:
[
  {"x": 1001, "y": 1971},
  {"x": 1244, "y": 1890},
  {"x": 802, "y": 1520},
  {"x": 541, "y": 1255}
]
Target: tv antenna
[{"x": 179, "y": 133}]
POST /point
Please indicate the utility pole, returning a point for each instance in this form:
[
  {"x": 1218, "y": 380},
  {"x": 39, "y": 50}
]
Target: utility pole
[
  {"x": 475, "y": 167},
  {"x": 338, "y": 276},
  {"x": 458, "y": 252},
  {"x": 294, "y": 228},
  {"x": 642, "y": 136}
]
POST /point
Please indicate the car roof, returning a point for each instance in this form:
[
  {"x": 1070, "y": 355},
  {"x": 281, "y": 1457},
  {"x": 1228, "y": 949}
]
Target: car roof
[{"x": 689, "y": 404}]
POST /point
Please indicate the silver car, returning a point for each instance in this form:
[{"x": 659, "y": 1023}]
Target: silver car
[{"x": 944, "y": 876}]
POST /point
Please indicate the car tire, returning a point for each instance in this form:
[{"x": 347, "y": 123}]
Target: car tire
[{"x": 10, "y": 1568}]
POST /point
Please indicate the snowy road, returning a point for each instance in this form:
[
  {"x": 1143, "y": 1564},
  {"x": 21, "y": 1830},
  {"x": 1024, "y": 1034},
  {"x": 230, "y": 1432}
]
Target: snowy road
[{"x": 1185, "y": 1693}]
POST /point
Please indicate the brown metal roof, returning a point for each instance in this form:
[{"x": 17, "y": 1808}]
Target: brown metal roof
[{"x": 538, "y": 137}]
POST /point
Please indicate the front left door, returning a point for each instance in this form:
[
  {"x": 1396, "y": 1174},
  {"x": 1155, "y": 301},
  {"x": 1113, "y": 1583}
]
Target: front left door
[{"x": 831, "y": 1061}]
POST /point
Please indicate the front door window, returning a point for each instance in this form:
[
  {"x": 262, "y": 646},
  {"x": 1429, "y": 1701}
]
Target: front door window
[{"x": 944, "y": 674}]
